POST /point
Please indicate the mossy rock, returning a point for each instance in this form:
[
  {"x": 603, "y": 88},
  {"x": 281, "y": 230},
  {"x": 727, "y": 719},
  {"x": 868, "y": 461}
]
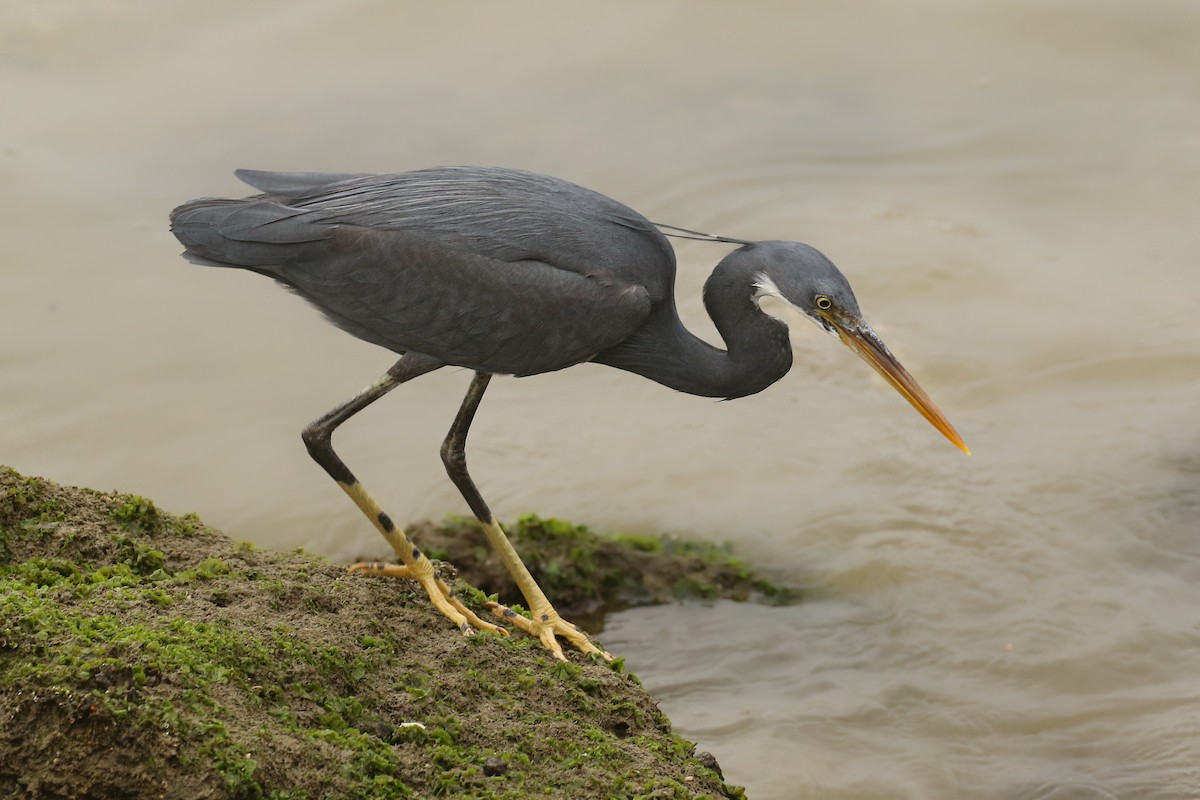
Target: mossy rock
[
  {"x": 144, "y": 655},
  {"x": 586, "y": 574}
]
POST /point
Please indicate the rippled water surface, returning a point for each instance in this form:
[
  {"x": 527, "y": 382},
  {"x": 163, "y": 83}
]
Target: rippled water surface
[{"x": 1012, "y": 187}]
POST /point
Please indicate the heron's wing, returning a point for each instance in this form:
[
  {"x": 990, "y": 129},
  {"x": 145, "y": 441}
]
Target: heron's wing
[
  {"x": 407, "y": 292},
  {"x": 504, "y": 214}
]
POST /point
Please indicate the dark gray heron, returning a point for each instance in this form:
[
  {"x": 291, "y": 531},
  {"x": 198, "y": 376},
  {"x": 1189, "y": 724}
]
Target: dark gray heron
[{"x": 509, "y": 272}]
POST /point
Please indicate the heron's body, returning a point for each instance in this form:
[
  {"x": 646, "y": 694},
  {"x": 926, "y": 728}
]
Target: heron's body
[
  {"x": 509, "y": 272},
  {"x": 497, "y": 270}
]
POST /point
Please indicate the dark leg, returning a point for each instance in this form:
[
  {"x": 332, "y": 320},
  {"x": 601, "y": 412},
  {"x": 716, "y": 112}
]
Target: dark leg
[
  {"x": 546, "y": 622},
  {"x": 318, "y": 439}
]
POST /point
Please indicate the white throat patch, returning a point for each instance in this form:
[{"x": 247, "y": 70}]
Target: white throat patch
[{"x": 771, "y": 302}]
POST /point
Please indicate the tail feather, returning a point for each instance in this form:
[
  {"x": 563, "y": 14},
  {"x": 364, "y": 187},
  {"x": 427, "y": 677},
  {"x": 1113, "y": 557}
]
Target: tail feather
[
  {"x": 252, "y": 233},
  {"x": 293, "y": 184}
]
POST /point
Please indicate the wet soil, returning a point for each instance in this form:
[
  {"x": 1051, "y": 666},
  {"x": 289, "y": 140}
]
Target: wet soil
[{"x": 144, "y": 655}]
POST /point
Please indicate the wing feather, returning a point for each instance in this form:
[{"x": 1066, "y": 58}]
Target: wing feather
[{"x": 493, "y": 269}]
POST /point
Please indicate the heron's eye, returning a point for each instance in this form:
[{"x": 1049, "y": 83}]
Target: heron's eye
[{"x": 823, "y": 302}]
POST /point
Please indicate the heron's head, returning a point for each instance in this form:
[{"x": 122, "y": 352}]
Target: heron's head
[{"x": 808, "y": 282}]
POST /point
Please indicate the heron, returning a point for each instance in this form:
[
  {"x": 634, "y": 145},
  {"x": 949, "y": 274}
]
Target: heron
[{"x": 508, "y": 272}]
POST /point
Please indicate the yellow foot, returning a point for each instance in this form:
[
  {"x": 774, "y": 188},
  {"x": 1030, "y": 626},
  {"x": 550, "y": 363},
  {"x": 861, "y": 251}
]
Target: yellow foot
[
  {"x": 439, "y": 593},
  {"x": 546, "y": 626}
]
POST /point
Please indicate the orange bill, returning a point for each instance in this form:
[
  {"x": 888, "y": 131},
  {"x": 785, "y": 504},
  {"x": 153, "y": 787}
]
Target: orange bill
[{"x": 859, "y": 337}]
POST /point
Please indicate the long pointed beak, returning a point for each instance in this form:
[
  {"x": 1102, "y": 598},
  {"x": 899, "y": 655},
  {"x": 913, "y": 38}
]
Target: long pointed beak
[{"x": 858, "y": 336}]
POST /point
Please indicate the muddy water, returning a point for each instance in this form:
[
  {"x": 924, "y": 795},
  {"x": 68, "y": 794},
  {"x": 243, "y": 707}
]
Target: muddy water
[{"x": 1011, "y": 187}]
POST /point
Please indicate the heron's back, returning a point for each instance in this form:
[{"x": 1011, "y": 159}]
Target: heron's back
[{"x": 507, "y": 214}]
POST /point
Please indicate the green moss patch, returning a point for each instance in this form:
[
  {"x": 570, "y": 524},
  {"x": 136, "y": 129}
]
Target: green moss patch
[{"x": 144, "y": 655}]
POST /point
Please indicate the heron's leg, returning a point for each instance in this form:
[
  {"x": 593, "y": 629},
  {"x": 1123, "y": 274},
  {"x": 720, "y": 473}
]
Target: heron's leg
[
  {"x": 417, "y": 566},
  {"x": 546, "y": 623}
]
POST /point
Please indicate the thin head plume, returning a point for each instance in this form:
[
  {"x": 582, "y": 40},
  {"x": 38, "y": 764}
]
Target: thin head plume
[{"x": 687, "y": 233}]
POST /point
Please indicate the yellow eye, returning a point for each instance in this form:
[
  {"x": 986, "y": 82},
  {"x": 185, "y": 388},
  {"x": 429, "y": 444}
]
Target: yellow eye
[{"x": 823, "y": 302}]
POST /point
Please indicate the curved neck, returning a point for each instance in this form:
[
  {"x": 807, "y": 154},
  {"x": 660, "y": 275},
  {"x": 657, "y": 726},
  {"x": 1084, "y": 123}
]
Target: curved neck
[{"x": 758, "y": 350}]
